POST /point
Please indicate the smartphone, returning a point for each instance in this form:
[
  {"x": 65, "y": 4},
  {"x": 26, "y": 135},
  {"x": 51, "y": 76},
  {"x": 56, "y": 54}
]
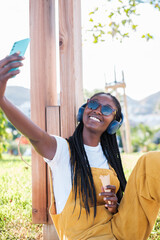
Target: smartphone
[{"x": 19, "y": 46}]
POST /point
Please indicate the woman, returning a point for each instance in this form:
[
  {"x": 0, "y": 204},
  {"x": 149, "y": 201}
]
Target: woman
[{"x": 85, "y": 209}]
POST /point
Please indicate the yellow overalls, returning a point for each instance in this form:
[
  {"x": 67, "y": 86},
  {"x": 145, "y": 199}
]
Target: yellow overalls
[{"x": 136, "y": 214}]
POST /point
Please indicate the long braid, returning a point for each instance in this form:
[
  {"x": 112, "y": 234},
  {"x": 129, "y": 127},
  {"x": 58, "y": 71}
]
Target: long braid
[
  {"x": 82, "y": 179},
  {"x": 111, "y": 151}
]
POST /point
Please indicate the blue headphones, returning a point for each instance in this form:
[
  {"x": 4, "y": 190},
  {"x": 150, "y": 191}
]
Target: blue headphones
[{"x": 113, "y": 126}]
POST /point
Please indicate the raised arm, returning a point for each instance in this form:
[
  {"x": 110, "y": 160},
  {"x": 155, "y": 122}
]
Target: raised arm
[{"x": 44, "y": 144}]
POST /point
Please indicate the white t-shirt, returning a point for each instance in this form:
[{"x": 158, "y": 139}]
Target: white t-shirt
[{"x": 61, "y": 169}]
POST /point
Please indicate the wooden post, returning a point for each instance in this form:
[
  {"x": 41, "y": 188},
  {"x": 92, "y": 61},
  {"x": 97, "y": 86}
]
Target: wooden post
[
  {"x": 43, "y": 91},
  {"x": 70, "y": 63},
  {"x": 122, "y": 128},
  {"x": 127, "y": 125},
  {"x": 53, "y": 127}
]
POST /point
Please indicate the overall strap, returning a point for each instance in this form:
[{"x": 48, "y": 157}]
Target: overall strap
[
  {"x": 69, "y": 149},
  {"x": 53, "y": 202}
]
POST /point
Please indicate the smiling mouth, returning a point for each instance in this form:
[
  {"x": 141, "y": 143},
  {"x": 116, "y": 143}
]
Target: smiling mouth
[{"x": 94, "y": 119}]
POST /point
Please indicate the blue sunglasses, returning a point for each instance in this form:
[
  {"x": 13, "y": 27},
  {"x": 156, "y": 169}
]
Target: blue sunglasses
[{"x": 105, "y": 109}]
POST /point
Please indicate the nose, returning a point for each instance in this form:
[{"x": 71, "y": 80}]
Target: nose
[{"x": 98, "y": 110}]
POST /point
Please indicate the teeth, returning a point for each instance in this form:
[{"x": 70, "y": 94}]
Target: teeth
[{"x": 95, "y": 119}]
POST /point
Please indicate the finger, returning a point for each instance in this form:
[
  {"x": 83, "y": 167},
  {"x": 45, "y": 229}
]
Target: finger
[
  {"x": 10, "y": 66},
  {"x": 11, "y": 58},
  {"x": 110, "y": 187},
  {"x": 10, "y": 74},
  {"x": 111, "y": 206},
  {"x": 107, "y": 194},
  {"x": 111, "y": 199}
]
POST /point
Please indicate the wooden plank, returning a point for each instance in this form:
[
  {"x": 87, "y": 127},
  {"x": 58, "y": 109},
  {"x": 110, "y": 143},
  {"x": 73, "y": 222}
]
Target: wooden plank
[
  {"x": 50, "y": 52},
  {"x": 43, "y": 88},
  {"x": 49, "y": 233},
  {"x": 53, "y": 127},
  {"x": 39, "y": 214},
  {"x": 127, "y": 125},
  {"x": 77, "y": 34},
  {"x": 53, "y": 118},
  {"x": 70, "y": 63}
]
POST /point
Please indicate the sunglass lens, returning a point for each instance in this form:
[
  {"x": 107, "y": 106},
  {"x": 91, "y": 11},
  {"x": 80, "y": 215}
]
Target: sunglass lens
[
  {"x": 106, "y": 110},
  {"x": 93, "y": 105}
]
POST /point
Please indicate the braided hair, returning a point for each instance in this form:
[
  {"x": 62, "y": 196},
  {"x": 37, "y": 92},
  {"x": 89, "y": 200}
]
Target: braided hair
[{"x": 82, "y": 179}]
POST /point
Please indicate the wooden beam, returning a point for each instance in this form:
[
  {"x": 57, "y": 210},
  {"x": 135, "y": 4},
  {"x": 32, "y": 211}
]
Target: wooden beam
[
  {"x": 49, "y": 233},
  {"x": 127, "y": 125},
  {"x": 122, "y": 128},
  {"x": 114, "y": 86},
  {"x": 53, "y": 127},
  {"x": 71, "y": 92},
  {"x": 43, "y": 91}
]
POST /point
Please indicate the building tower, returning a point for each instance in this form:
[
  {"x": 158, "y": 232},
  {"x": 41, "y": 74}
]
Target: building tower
[{"x": 114, "y": 87}]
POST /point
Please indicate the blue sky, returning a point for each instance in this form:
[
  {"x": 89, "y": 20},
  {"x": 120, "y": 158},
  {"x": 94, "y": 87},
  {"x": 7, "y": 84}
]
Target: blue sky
[{"x": 137, "y": 58}]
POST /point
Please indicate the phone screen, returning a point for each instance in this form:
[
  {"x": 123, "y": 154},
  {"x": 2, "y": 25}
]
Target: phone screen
[{"x": 19, "y": 46}]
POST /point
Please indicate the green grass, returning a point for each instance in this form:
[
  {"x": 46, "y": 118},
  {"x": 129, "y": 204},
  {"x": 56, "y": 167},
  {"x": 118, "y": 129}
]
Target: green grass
[{"x": 16, "y": 199}]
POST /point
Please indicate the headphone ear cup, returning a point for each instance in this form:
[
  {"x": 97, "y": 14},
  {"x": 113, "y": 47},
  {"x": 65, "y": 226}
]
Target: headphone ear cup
[
  {"x": 80, "y": 113},
  {"x": 114, "y": 126}
]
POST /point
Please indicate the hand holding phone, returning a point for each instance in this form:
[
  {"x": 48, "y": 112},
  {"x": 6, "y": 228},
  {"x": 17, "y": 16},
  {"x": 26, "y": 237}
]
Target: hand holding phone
[{"x": 19, "y": 46}]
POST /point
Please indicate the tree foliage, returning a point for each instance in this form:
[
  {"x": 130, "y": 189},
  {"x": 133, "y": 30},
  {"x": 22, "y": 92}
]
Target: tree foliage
[
  {"x": 4, "y": 135},
  {"x": 87, "y": 94},
  {"x": 15, "y": 133},
  {"x": 142, "y": 137},
  {"x": 117, "y": 18}
]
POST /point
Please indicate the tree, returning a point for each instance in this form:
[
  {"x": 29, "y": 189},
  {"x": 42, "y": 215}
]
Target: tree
[
  {"x": 15, "y": 133},
  {"x": 117, "y": 18},
  {"x": 142, "y": 137},
  {"x": 4, "y": 135},
  {"x": 87, "y": 94}
]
